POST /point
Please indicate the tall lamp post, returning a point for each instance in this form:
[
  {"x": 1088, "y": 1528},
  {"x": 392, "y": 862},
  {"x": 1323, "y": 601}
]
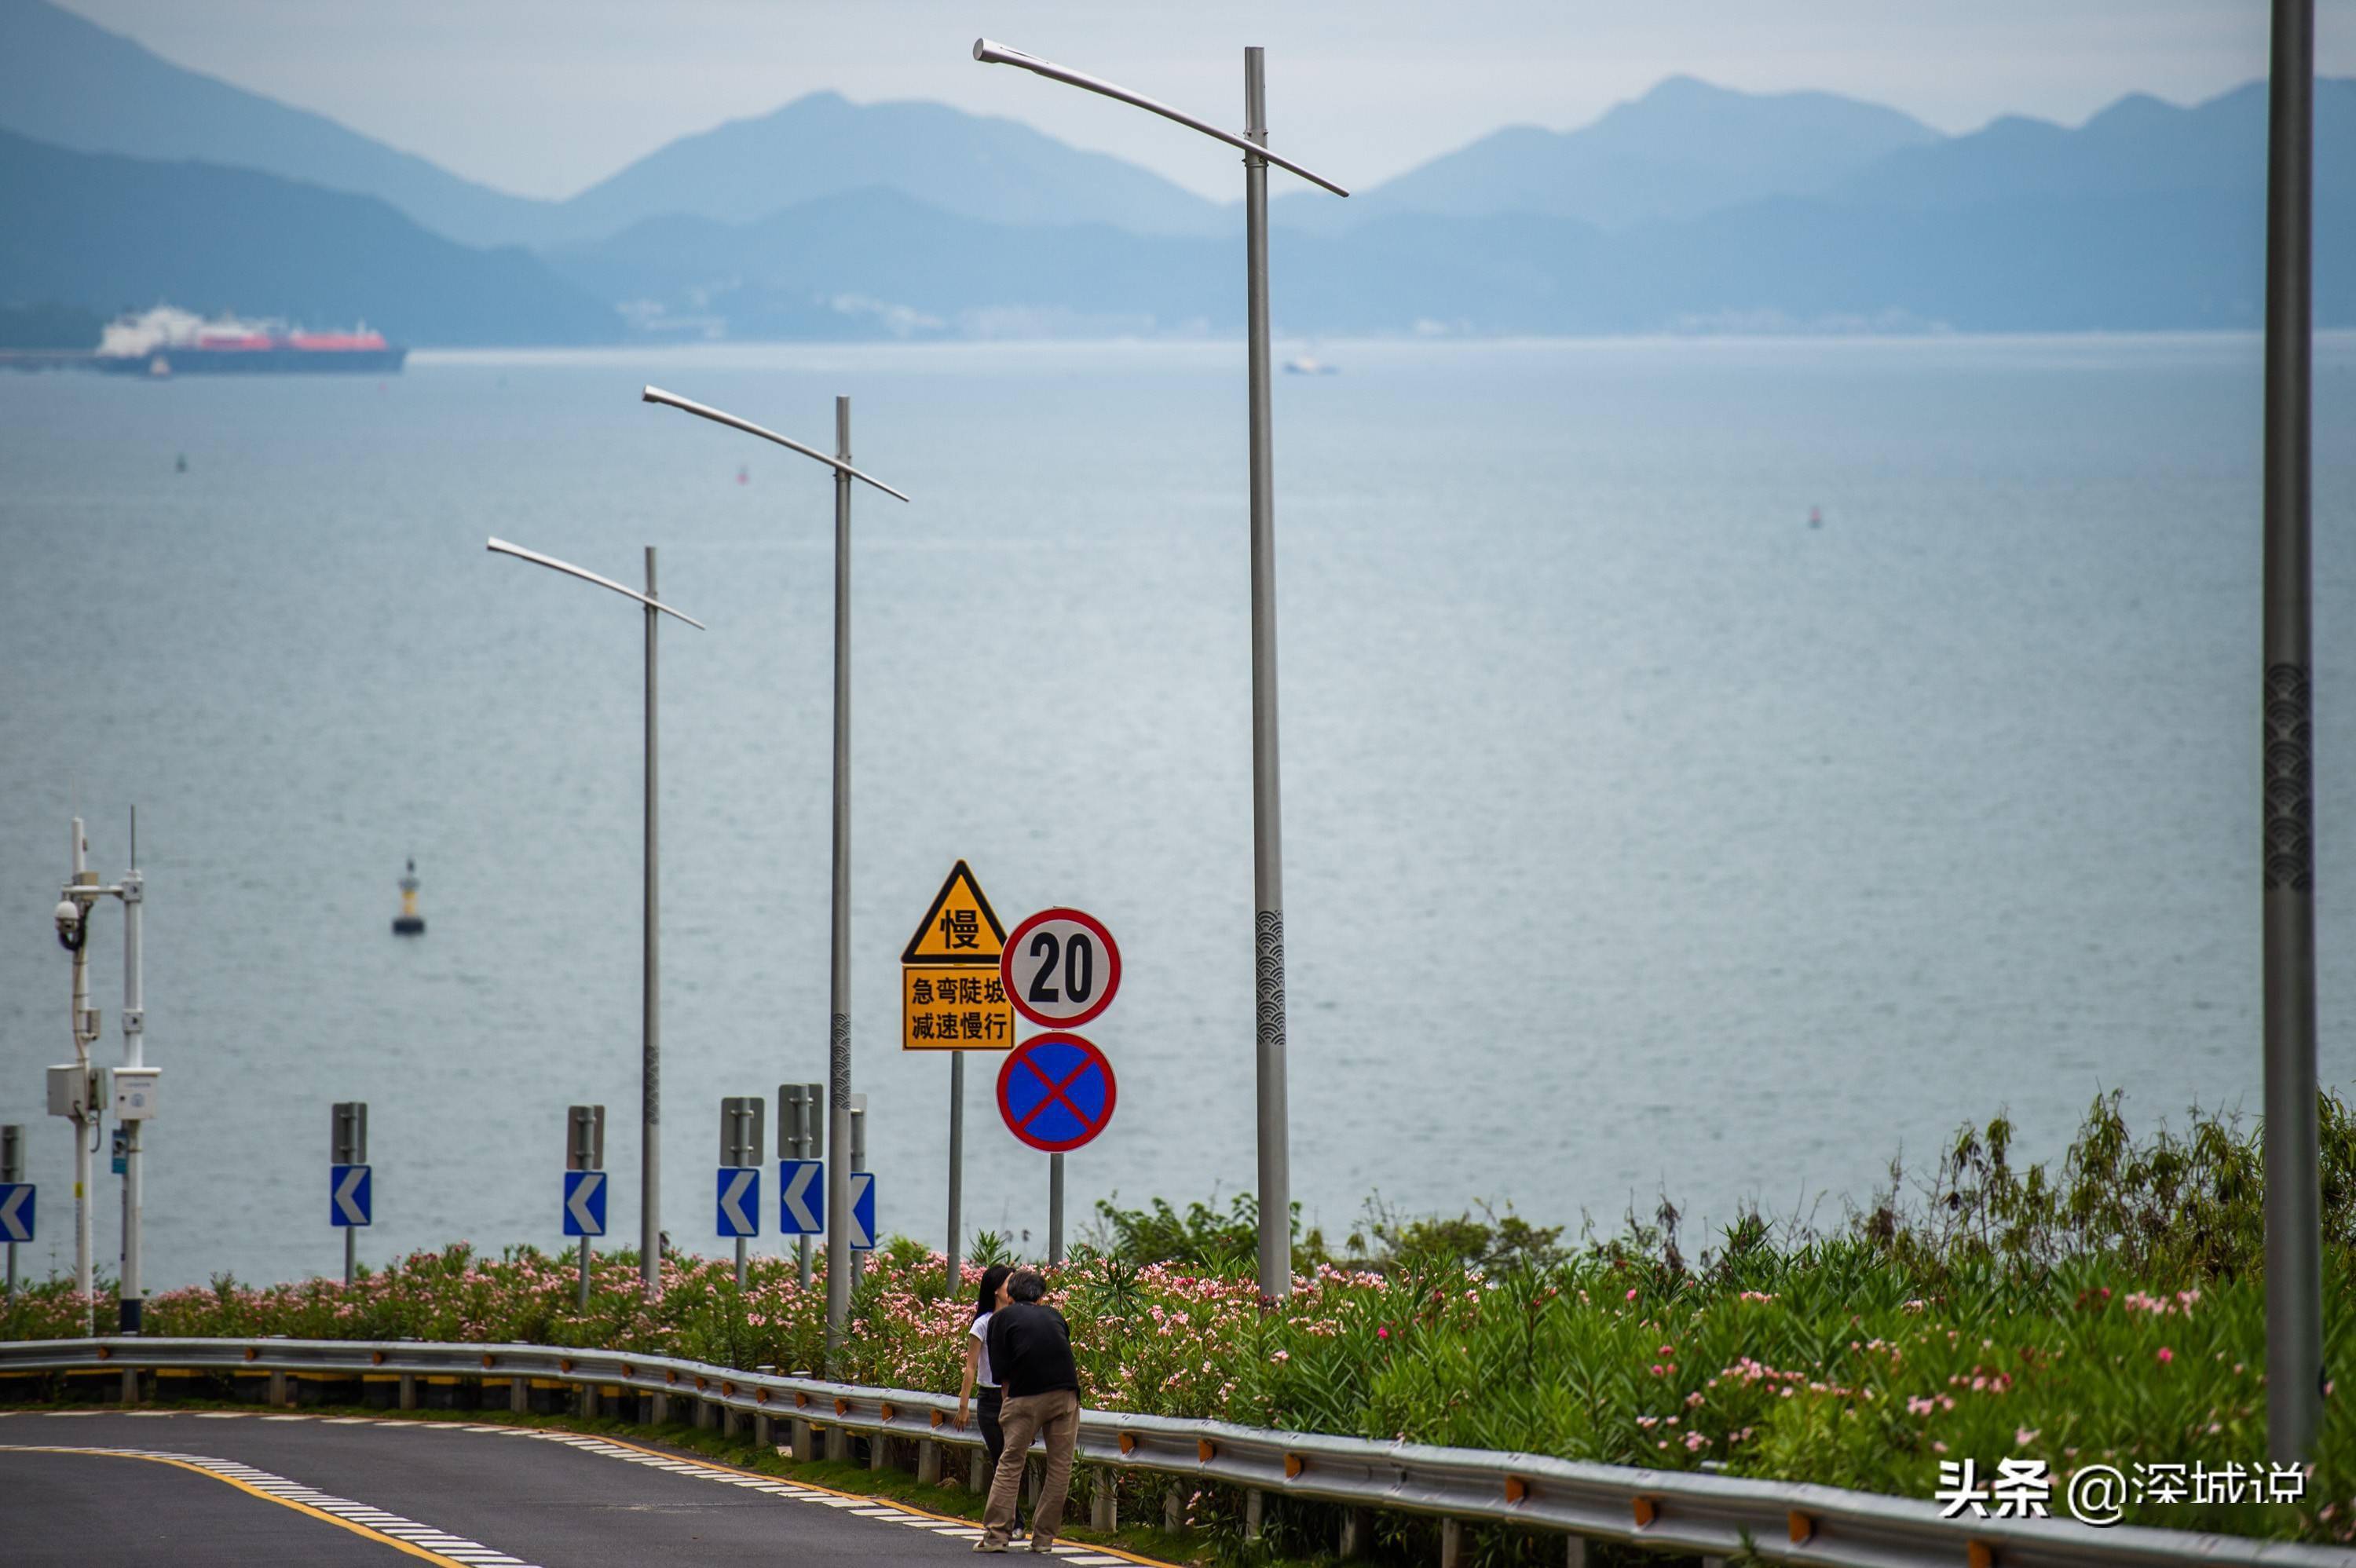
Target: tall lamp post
[
  {"x": 650, "y": 982},
  {"x": 837, "y": 1123},
  {"x": 1268, "y": 852},
  {"x": 2294, "y": 1197}
]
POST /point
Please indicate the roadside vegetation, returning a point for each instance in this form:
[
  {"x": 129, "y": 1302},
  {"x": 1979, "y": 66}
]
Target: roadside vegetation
[{"x": 2107, "y": 1309}]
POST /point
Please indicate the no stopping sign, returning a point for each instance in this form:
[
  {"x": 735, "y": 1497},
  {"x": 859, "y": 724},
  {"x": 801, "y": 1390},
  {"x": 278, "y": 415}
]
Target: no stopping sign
[
  {"x": 1055, "y": 1091},
  {"x": 1060, "y": 967}
]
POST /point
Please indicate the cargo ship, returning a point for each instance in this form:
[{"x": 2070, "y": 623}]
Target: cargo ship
[{"x": 170, "y": 342}]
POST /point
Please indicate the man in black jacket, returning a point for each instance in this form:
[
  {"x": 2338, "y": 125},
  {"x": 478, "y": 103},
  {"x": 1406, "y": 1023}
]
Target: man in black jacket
[{"x": 1031, "y": 1351}]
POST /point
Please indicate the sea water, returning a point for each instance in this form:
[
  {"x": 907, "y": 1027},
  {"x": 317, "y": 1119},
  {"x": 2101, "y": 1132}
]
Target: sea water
[{"x": 1710, "y": 767}]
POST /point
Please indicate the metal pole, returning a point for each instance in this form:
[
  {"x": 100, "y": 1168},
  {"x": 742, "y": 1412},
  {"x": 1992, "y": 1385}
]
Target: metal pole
[
  {"x": 1267, "y": 849},
  {"x": 86, "y": 1124},
  {"x": 584, "y": 1275},
  {"x": 351, "y": 1254},
  {"x": 739, "y": 1263},
  {"x": 133, "y": 1296},
  {"x": 650, "y": 1010},
  {"x": 2292, "y": 1193},
  {"x": 813, "y": 1148},
  {"x": 838, "y": 1132},
  {"x": 1055, "y": 1208},
  {"x": 858, "y": 1163},
  {"x": 12, "y": 1169},
  {"x": 956, "y": 1167}
]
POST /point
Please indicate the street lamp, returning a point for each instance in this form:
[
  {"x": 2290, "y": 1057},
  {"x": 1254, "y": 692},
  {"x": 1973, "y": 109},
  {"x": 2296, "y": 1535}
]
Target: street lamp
[
  {"x": 838, "y": 1124},
  {"x": 1268, "y": 852},
  {"x": 649, "y": 989}
]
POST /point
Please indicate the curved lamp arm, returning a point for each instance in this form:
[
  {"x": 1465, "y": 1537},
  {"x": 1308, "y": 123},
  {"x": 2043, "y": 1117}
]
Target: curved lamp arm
[
  {"x": 501, "y": 547},
  {"x": 656, "y": 395},
  {"x": 991, "y": 53}
]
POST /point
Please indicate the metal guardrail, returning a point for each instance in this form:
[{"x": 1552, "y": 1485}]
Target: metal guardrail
[{"x": 1671, "y": 1511}]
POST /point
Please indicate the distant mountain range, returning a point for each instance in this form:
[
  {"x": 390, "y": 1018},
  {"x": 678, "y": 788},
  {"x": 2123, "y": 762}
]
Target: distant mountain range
[
  {"x": 1692, "y": 209},
  {"x": 111, "y": 233}
]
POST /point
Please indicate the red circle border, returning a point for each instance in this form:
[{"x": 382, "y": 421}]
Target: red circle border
[
  {"x": 1112, "y": 1091},
  {"x": 1104, "y": 939}
]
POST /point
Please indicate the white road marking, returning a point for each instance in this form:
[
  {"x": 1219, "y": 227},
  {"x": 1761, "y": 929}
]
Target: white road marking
[{"x": 376, "y": 1519}]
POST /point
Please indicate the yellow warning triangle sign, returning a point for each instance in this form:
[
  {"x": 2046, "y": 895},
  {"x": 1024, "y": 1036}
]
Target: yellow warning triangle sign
[{"x": 960, "y": 927}]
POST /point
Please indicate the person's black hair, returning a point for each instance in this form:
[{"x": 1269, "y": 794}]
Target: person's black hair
[
  {"x": 1027, "y": 1284},
  {"x": 986, "y": 1299}
]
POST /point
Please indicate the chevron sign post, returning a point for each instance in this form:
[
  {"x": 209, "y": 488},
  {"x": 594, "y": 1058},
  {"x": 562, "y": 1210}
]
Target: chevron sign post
[
  {"x": 801, "y": 1196},
  {"x": 348, "y": 1196},
  {"x": 15, "y": 1211},
  {"x": 739, "y": 1200},
  {"x": 585, "y": 1203}
]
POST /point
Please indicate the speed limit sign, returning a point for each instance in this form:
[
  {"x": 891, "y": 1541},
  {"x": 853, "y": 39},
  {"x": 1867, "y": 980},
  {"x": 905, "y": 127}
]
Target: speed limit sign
[{"x": 1060, "y": 967}]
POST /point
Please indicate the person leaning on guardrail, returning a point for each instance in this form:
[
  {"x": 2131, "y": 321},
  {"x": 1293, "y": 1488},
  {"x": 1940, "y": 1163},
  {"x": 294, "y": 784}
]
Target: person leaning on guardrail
[
  {"x": 1031, "y": 1351},
  {"x": 979, "y": 1376}
]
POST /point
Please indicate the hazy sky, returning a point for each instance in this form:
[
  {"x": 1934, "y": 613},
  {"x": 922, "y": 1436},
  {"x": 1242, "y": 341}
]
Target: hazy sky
[{"x": 543, "y": 97}]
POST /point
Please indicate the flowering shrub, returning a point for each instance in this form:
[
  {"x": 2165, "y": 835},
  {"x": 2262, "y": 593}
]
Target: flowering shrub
[{"x": 1856, "y": 1361}]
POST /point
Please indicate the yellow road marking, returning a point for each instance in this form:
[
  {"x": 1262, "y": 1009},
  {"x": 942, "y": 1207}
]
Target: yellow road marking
[
  {"x": 355, "y": 1528},
  {"x": 1121, "y": 1553}
]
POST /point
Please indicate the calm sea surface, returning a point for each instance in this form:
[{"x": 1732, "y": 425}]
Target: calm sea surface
[{"x": 1639, "y": 836}]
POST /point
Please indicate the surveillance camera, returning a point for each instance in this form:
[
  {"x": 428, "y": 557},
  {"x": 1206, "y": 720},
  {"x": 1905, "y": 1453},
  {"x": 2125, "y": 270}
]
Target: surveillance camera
[{"x": 69, "y": 917}]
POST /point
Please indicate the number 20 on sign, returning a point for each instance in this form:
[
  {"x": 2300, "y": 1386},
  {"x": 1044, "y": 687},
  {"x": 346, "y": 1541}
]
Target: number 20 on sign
[{"x": 1060, "y": 967}]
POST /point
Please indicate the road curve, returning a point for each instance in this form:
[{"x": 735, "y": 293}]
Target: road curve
[{"x": 205, "y": 1487}]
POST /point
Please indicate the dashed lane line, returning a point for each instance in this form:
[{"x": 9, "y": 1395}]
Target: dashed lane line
[{"x": 405, "y": 1535}]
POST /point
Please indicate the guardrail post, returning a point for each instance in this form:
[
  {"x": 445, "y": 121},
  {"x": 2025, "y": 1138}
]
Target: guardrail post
[
  {"x": 1173, "y": 1511},
  {"x": 277, "y": 1394},
  {"x": 131, "y": 1385},
  {"x": 1452, "y": 1543},
  {"x": 929, "y": 1462},
  {"x": 1255, "y": 1505},
  {"x": 1576, "y": 1557},
  {"x": 518, "y": 1395},
  {"x": 764, "y": 1431},
  {"x": 838, "y": 1445},
  {"x": 879, "y": 1451},
  {"x": 704, "y": 1408},
  {"x": 1103, "y": 1507},
  {"x": 804, "y": 1447},
  {"x": 975, "y": 1481},
  {"x": 408, "y": 1398},
  {"x": 1358, "y": 1534},
  {"x": 661, "y": 1415}
]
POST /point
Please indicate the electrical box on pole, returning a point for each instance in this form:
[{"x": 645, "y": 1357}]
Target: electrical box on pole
[{"x": 72, "y": 1091}]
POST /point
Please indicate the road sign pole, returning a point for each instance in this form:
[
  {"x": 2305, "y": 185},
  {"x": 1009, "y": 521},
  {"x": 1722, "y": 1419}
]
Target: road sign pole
[
  {"x": 957, "y": 1166},
  {"x": 839, "y": 1156},
  {"x": 12, "y": 1170},
  {"x": 858, "y": 1163},
  {"x": 2293, "y": 1201},
  {"x": 351, "y": 1255},
  {"x": 1055, "y": 1208},
  {"x": 651, "y": 1010}
]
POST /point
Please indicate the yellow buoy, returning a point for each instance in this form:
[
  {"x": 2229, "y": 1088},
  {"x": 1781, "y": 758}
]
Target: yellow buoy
[{"x": 409, "y": 922}]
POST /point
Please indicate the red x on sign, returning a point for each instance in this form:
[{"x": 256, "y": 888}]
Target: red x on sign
[{"x": 1055, "y": 1091}]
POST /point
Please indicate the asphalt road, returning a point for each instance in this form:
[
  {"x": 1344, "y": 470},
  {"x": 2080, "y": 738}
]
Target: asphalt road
[{"x": 195, "y": 1488}]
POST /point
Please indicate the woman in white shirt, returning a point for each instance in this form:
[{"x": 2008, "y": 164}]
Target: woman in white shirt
[{"x": 987, "y": 1300}]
